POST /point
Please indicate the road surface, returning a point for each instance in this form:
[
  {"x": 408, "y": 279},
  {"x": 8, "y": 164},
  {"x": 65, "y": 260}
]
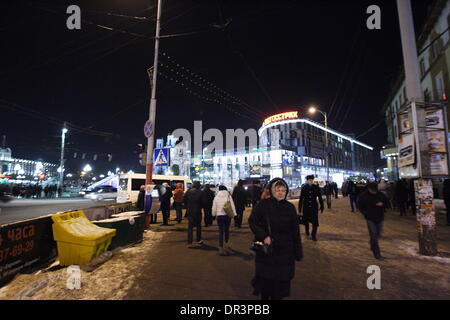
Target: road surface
[{"x": 22, "y": 209}]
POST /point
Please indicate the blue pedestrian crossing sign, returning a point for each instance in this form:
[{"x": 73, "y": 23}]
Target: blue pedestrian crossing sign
[{"x": 161, "y": 157}]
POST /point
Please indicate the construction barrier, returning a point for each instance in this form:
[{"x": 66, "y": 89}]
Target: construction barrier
[
  {"x": 129, "y": 228},
  {"x": 78, "y": 239}
]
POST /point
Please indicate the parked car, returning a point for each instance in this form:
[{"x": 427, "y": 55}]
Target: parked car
[
  {"x": 101, "y": 193},
  {"x": 5, "y": 196}
]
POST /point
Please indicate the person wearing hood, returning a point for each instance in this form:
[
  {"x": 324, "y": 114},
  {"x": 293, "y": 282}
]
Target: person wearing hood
[
  {"x": 193, "y": 202},
  {"x": 207, "y": 203},
  {"x": 165, "y": 203},
  {"x": 223, "y": 220},
  {"x": 140, "y": 200},
  {"x": 178, "y": 201},
  {"x": 307, "y": 203},
  {"x": 239, "y": 199},
  {"x": 274, "y": 222}
]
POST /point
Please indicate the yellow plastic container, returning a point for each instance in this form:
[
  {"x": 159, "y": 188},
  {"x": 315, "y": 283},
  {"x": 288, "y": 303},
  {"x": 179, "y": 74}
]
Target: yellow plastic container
[{"x": 78, "y": 239}]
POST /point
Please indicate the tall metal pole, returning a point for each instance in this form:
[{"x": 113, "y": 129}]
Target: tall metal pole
[
  {"x": 326, "y": 146},
  {"x": 152, "y": 111},
  {"x": 427, "y": 231},
  {"x": 61, "y": 162}
]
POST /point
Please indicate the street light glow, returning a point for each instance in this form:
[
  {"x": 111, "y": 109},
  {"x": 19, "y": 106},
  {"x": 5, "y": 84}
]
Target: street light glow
[
  {"x": 312, "y": 110},
  {"x": 87, "y": 168}
]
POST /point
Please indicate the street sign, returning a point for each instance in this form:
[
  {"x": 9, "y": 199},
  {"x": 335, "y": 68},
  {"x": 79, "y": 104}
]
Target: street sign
[
  {"x": 161, "y": 157},
  {"x": 148, "y": 129}
]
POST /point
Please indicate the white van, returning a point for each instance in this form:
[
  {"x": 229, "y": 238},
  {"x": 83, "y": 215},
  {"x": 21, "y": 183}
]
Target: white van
[{"x": 130, "y": 184}]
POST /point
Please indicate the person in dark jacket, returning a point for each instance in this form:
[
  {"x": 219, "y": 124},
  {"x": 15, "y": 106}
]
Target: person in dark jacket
[
  {"x": 352, "y": 194},
  {"x": 307, "y": 203},
  {"x": 401, "y": 196},
  {"x": 140, "y": 200},
  {"x": 372, "y": 205},
  {"x": 274, "y": 222},
  {"x": 256, "y": 193},
  {"x": 239, "y": 199},
  {"x": 328, "y": 192},
  {"x": 334, "y": 186},
  {"x": 447, "y": 199},
  {"x": 193, "y": 202},
  {"x": 178, "y": 195},
  {"x": 207, "y": 203},
  {"x": 165, "y": 203}
]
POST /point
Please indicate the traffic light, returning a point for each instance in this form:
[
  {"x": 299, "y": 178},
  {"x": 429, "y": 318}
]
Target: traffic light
[
  {"x": 142, "y": 154},
  {"x": 143, "y": 159}
]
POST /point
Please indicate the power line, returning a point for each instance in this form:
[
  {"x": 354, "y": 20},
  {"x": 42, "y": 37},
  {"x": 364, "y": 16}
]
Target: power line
[{"x": 370, "y": 129}]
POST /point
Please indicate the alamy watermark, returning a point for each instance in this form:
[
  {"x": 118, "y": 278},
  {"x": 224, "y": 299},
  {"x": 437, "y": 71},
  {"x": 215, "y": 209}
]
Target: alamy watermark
[{"x": 374, "y": 280}]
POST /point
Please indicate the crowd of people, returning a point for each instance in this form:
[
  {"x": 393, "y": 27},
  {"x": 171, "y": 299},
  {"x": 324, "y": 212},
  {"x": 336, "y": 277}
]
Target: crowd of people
[
  {"x": 275, "y": 221},
  {"x": 30, "y": 190}
]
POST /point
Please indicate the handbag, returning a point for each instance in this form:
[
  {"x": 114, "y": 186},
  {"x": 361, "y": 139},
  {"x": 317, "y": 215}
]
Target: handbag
[
  {"x": 261, "y": 247},
  {"x": 228, "y": 208}
]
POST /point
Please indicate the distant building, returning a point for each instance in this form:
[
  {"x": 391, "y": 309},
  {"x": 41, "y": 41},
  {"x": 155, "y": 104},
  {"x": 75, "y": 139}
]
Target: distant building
[
  {"x": 24, "y": 171},
  {"x": 434, "y": 63}
]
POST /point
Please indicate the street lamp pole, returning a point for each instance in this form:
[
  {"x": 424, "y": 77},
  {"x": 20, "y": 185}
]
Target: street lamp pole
[
  {"x": 152, "y": 111},
  {"x": 312, "y": 110},
  {"x": 61, "y": 163}
]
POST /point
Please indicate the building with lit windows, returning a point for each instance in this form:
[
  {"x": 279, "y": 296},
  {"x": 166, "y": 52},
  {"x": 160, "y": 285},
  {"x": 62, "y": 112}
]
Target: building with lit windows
[
  {"x": 434, "y": 63},
  {"x": 24, "y": 171},
  {"x": 291, "y": 147}
]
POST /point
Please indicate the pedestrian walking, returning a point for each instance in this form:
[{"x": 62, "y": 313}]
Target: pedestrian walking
[
  {"x": 140, "y": 199},
  {"x": 178, "y": 195},
  {"x": 223, "y": 219},
  {"x": 372, "y": 205},
  {"x": 401, "y": 196},
  {"x": 256, "y": 193},
  {"x": 165, "y": 203},
  {"x": 352, "y": 194},
  {"x": 307, "y": 204},
  {"x": 207, "y": 203},
  {"x": 193, "y": 202},
  {"x": 328, "y": 192},
  {"x": 274, "y": 222},
  {"x": 239, "y": 199},
  {"x": 335, "y": 189}
]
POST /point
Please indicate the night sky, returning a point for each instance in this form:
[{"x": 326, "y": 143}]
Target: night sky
[{"x": 273, "y": 56}]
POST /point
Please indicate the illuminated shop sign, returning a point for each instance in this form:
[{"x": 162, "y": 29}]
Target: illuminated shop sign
[{"x": 281, "y": 117}]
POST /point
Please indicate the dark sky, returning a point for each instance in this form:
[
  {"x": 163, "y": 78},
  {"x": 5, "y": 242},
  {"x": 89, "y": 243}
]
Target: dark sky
[{"x": 273, "y": 55}]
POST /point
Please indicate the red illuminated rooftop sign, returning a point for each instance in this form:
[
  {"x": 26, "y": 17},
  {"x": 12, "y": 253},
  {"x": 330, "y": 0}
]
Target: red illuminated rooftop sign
[{"x": 281, "y": 117}]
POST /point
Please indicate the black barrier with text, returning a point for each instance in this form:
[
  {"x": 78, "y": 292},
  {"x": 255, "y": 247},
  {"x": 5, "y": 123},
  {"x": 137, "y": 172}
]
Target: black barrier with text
[{"x": 25, "y": 244}]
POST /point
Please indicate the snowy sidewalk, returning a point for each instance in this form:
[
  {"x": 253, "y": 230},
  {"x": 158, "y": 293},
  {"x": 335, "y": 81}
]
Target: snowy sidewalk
[{"x": 162, "y": 267}]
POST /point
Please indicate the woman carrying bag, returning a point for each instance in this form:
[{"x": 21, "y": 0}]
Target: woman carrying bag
[
  {"x": 224, "y": 210},
  {"x": 274, "y": 223}
]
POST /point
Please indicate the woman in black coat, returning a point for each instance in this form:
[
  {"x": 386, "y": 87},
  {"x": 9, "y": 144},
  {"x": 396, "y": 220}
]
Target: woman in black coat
[{"x": 274, "y": 271}]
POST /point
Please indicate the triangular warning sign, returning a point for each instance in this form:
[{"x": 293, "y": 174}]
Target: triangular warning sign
[{"x": 161, "y": 158}]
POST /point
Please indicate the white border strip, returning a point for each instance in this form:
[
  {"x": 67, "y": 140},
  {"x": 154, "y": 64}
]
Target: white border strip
[{"x": 314, "y": 124}]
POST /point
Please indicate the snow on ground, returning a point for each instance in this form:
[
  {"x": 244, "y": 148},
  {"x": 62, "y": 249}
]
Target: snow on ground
[{"x": 111, "y": 280}]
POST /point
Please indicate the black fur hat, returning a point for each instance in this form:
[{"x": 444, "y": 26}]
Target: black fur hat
[{"x": 310, "y": 177}]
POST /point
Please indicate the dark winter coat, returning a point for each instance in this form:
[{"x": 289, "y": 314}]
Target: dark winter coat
[
  {"x": 307, "y": 204},
  {"x": 367, "y": 205},
  {"x": 239, "y": 198},
  {"x": 286, "y": 242},
  {"x": 351, "y": 188},
  {"x": 256, "y": 192},
  {"x": 193, "y": 202},
  {"x": 207, "y": 198},
  {"x": 401, "y": 192},
  {"x": 328, "y": 190},
  {"x": 140, "y": 200},
  {"x": 165, "y": 199}
]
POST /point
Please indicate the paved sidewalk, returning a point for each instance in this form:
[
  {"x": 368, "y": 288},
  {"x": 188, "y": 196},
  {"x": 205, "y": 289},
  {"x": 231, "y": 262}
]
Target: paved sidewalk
[
  {"x": 162, "y": 267},
  {"x": 332, "y": 268}
]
